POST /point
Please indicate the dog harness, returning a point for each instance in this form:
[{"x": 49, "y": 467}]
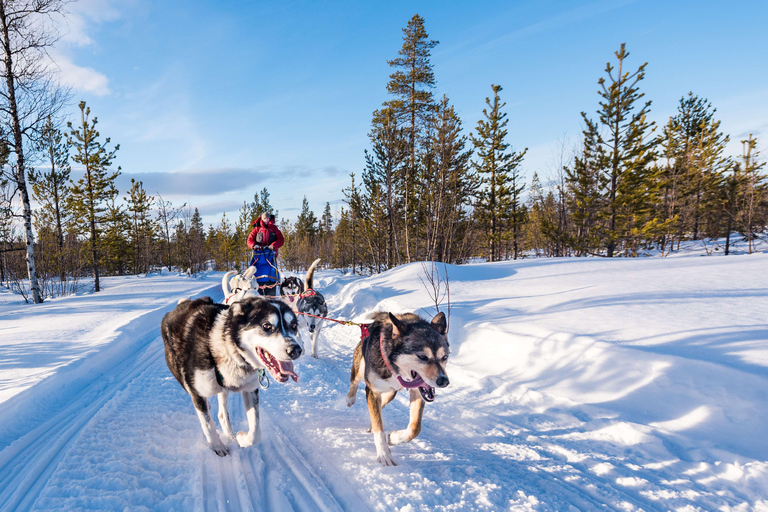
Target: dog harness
[{"x": 409, "y": 384}]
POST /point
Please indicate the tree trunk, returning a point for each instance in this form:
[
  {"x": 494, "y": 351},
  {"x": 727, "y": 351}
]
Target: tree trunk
[{"x": 20, "y": 169}]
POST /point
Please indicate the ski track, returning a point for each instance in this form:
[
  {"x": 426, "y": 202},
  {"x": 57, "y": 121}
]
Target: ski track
[{"x": 131, "y": 440}]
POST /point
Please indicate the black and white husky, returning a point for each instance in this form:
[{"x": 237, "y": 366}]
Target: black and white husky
[
  {"x": 400, "y": 352},
  {"x": 311, "y": 305},
  {"x": 213, "y": 349},
  {"x": 290, "y": 290}
]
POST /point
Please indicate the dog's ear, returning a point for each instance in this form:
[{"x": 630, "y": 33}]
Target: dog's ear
[
  {"x": 249, "y": 273},
  {"x": 440, "y": 324},
  {"x": 398, "y": 328}
]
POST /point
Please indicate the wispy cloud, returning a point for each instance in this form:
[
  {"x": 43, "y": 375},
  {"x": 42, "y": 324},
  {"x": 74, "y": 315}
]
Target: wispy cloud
[
  {"x": 199, "y": 182},
  {"x": 212, "y": 182},
  {"x": 81, "y": 78}
]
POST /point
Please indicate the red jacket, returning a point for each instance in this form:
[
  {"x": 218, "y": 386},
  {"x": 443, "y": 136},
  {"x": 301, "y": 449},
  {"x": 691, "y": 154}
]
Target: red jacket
[{"x": 270, "y": 230}]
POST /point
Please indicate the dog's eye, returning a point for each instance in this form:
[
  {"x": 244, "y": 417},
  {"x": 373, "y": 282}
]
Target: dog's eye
[
  {"x": 267, "y": 326},
  {"x": 294, "y": 326},
  {"x": 422, "y": 357},
  {"x": 445, "y": 358}
]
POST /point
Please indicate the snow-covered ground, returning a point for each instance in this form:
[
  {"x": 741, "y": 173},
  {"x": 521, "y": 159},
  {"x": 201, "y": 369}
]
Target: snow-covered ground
[{"x": 576, "y": 384}]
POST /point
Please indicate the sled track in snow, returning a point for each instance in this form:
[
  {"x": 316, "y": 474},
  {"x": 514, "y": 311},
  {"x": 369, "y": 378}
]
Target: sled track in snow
[
  {"x": 272, "y": 475},
  {"x": 29, "y": 462}
]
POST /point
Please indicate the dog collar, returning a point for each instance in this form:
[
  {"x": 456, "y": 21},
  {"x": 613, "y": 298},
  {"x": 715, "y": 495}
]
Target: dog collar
[{"x": 410, "y": 384}]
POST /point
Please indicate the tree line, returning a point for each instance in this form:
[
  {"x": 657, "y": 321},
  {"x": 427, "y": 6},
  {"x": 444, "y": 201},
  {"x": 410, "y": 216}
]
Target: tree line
[{"x": 430, "y": 191}]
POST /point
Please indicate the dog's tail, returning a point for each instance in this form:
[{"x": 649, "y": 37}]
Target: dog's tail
[
  {"x": 225, "y": 283},
  {"x": 248, "y": 274},
  {"x": 310, "y": 275}
]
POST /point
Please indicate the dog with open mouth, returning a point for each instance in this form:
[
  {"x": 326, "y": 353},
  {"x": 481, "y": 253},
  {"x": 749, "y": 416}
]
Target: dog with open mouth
[
  {"x": 399, "y": 352},
  {"x": 290, "y": 290},
  {"x": 213, "y": 349}
]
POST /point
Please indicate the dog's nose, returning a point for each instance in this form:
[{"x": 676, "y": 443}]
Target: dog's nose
[
  {"x": 294, "y": 351},
  {"x": 442, "y": 381},
  {"x": 311, "y": 328}
]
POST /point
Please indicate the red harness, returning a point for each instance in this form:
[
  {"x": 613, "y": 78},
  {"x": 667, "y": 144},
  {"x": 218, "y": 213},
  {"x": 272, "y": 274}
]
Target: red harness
[{"x": 410, "y": 384}]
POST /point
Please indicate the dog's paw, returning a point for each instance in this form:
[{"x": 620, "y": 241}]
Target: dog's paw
[
  {"x": 399, "y": 436},
  {"x": 220, "y": 449},
  {"x": 351, "y": 400},
  {"x": 385, "y": 459},
  {"x": 244, "y": 439},
  {"x": 314, "y": 354}
]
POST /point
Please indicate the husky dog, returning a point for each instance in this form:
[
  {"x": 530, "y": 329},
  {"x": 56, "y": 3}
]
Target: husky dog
[
  {"x": 237, "y": 287},
  {"x": 213, "y": 349},
  {"x": 291, "y": 288},
  {"x": 312, "y": 302},
  {"x": 402, "y": 351}
]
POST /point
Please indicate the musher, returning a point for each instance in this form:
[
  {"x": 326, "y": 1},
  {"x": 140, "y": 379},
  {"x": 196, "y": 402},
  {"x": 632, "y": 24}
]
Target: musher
[{"x": 265, "y": 240}]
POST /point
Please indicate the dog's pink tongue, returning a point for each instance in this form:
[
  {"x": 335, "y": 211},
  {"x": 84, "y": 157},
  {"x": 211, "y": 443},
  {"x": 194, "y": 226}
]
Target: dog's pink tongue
[{"x": 286, "y": 367}]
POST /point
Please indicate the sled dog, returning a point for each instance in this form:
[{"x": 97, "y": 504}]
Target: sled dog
[
  {"x": 400, "y": 351},
  {"x": 312, "y": 302},
  {"x": 237, "y": 287},
  {"x": 291, "y": 288},
  {"x": 213, "y": 349}
]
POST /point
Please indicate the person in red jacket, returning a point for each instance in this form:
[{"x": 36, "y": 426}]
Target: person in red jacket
[{"x": 265, "y": 234}]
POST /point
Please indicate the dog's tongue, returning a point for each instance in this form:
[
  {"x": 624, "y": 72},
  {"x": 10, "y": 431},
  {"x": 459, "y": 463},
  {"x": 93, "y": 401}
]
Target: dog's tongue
[
  {"x": 286, "y": 367},
  {"x": 290, "y": 297}
]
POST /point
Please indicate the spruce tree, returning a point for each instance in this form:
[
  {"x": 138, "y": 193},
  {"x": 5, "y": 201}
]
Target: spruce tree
[
  {"x": 411, "y": 83},
  {"x": 97, "y": 186},
  {"x": 498, "y": 169}
]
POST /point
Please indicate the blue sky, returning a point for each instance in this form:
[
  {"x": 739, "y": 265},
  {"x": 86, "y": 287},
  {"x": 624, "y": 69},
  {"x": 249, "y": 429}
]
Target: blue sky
[{"x": 212, "y": 101}]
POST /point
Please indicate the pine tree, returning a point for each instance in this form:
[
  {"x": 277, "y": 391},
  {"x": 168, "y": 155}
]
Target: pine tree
[
  {"x": 50, "y": 188},
  {"x": 411, "y": 83},
  {"x": 97, "y": 186},
  {"x": 197, "y": 242},
  {"x": 261, "y": 203},
  {"x": 752, "y": 196},
  {"x": 386, "y": 164},
  {"x": 586, "y": 185},
  {"x": 450, "y": 189},
  {"x": 629, "y": 149},
  {"x": 142, "y": 227},
  {"x": 498, "y": 168},
  {"x": 697, "y": 147},
  {"x": 306, "y": 227},
  {"x": 114, "y": 244},
  {"x": 326, "y": 221}
]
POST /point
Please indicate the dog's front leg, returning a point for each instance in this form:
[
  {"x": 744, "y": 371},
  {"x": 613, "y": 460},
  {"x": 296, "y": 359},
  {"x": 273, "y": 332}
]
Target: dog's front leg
[
  {"x": 226, "y": 426},
  {"x": 253, "y": 436},
  {"x": 315, "y": 333},
  {"x": 383, "y": 453},
  {"x": 414, "y": 425},
  {"x": 209, "y": 428}
]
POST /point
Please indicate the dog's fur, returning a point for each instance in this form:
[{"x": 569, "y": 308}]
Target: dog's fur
[
  {"x": 413, "y": 347},
  {"x": 237, "y": 287},
  {"x": 213, "y": 349},
  {"x": 290, "y": 290},
  {"x": 312, "y": 302}
]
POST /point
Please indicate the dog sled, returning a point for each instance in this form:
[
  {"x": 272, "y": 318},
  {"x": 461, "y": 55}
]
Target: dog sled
[{"x": 266, "y": 273}]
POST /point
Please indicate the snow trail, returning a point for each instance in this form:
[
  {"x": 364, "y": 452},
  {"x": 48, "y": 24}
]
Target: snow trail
[{"x": 575, "y": 385}]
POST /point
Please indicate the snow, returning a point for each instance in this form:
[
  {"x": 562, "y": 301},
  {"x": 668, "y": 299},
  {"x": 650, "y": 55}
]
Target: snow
[{"x": 576, "y": 384}]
